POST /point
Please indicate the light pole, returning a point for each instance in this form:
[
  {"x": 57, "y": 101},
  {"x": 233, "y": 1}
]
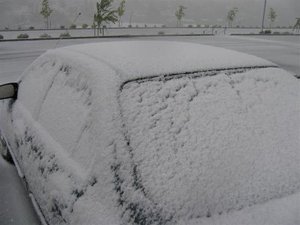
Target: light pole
[{"x": 263, "y": 19}]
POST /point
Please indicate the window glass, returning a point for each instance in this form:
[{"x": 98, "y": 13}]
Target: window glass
[
  {"x": 65, "y": 110},
  {"x": 35, "y": 83},
  {"x": 206, "y": 145}
]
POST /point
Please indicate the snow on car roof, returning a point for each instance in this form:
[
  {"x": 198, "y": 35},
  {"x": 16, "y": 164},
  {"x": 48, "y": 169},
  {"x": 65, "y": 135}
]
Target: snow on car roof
[{"x": 140, "y": 59}]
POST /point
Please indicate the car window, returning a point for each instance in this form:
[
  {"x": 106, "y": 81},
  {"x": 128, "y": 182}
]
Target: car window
[
  {"x": 35, "y": 82},
  {"x": 52, "y": 138},
  {"x": 206, "y": 145},
  {"x": 65, "y": 110}
]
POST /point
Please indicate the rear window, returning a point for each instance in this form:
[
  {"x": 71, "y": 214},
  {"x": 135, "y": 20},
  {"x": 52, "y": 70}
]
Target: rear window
[{"x": 207, "y": 145}]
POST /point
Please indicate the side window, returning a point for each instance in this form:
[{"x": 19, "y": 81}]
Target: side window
[
  {"x": 65, "y": 110},
  {"x": 35, "y": 83},
  {"x": 58, "y": 98}
]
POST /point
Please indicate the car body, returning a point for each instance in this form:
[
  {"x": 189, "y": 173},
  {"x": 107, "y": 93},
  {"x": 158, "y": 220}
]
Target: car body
[{"x": 153, "y": 132}]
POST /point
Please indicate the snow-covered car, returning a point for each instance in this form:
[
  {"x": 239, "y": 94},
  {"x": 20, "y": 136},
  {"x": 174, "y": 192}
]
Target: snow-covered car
[{"x": 153, "y": 132}]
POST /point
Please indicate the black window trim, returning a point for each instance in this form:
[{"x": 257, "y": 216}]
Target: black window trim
[{"x": 194, "y": 74}]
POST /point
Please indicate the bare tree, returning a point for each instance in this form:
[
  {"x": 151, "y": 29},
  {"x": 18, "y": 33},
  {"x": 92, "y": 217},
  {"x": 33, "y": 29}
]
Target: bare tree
[
  {"x": 231, "y": 15},
  {"x": 180, "y": 14},
  {"x": 121, "y": 11},
  {"x": 297, "y": 25},
  {"x": 46, "y": 12},
  {"x": 272, "y": 16},
  {"x": 105, "y": 14}
]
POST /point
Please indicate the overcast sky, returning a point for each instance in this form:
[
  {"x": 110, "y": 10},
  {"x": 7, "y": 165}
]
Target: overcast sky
[{"x": 14, "y": 13}]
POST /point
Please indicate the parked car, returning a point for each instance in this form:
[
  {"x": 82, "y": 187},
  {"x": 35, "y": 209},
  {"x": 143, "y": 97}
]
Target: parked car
[{"x": 154, "y": 132}]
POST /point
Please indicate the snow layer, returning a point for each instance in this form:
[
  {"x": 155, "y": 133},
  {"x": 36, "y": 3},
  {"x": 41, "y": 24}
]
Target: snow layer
[
  {"x": 276, "y": 212},
  {"x": 158, "y": 151},
  {"x": 148, "y": 58},
  {"x": 58, "y": 154},
  {"x": 16, "y": 207},
  {"x": 205, "y": 146}
]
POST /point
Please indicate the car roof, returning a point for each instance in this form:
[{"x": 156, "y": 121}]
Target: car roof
[{"x": 139, "y": 59}]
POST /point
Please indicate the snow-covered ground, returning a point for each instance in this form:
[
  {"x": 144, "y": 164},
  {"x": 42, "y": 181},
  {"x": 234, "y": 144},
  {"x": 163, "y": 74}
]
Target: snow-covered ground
[{"x": 15, "y": 205}]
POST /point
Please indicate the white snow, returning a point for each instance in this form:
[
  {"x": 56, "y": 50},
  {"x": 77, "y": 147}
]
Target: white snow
[
  {"x": 138, "y": 59},
  {"x": 16, "y": 207},
  {"x": 158, "y": 151},
  {"x": 205, "y": 146},
  {"x": 58, "y": 153},
  {"x": 276, "y": 212}
]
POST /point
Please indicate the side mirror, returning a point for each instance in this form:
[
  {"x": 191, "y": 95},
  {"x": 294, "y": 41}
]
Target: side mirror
[{"x": 9, "y": 90}]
